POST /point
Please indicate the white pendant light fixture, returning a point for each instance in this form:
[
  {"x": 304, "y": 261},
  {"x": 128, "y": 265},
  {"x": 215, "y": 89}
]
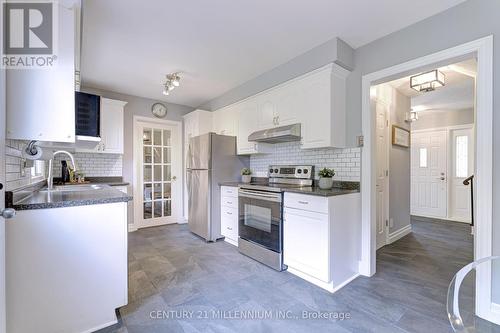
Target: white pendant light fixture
[
  {"x": 427, "y": 81},
  {"x": 173, "y": 81}
]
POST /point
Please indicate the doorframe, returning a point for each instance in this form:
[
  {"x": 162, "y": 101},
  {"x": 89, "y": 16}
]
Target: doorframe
[
  {"x": 483, "y": 49},
  {"x": 136, "y": 154},
  {"x": 449, "y": 162}
]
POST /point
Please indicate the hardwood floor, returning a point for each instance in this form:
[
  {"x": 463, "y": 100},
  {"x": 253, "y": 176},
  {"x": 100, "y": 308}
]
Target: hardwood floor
[{"x": 170, "y": 269}]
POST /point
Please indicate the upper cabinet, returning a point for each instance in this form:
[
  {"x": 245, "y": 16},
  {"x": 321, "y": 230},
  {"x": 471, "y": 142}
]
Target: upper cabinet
[
  {"x": 41, "y": 102},
  {"x": 316, "y": 100},
  {"x": 111, "y": 128},
  {"x": 225, "y": 121},
  {"x": 322, "y": 108},
  {"x": 197, "y": 123}
]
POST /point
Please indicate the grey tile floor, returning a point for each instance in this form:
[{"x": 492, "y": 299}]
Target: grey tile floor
[{"x": 179, "y": 283}]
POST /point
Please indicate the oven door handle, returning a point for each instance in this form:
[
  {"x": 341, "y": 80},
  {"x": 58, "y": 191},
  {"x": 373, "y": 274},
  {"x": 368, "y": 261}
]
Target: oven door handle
[{"x": 266, "y": 197}]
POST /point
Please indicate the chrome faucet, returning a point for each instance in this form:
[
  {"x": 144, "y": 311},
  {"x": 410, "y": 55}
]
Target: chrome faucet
[{"x": 50, "y": 177}]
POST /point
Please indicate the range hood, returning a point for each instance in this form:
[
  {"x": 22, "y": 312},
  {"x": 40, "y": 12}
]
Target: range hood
[{"x": 277, "y": 135}]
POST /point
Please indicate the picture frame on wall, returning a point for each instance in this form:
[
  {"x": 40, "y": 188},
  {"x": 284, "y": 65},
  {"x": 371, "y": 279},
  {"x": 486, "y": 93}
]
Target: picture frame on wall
[{"x": 400, "y": 136}]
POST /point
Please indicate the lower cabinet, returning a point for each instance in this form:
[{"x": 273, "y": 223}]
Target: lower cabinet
[
  {"x": 320, "y": 237},
  {"x": 229, "y": 214},
  {"x": 305, "y": 244}
]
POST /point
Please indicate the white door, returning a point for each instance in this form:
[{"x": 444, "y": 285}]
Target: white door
[
  {"x": 429, "y": 174},
  {"x": 2, "y": 199},
  {"x": 382, "y": 188},
  {"x": 159, "y": 199},
  {"x": 462, "y": 166}
]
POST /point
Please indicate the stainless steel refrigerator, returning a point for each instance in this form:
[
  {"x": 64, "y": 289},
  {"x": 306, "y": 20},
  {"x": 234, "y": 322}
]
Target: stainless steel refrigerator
[{"x": 211, "y": 159}]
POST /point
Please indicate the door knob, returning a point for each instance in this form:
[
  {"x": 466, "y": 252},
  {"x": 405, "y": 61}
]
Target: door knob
[
  {"x": 8, "y": 213},
  {"x": 174, "y": 177}
]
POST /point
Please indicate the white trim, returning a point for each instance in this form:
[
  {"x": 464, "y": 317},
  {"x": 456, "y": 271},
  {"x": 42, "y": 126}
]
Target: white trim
[
  {"x": 398, "y": 234},
  {"x": 137, "y": 149},
  {"x": 483, "y": 48},
  {"x": 451, "y": 218},
  {"x": 495, "y": 309},
  {"x": 97, "y": 328},
  {"x": 132, "y": 227},
  {"x": 322, "y": 284}
]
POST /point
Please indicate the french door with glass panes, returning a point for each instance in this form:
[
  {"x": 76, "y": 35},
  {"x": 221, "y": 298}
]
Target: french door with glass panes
[{"x": 161, "y": 192}]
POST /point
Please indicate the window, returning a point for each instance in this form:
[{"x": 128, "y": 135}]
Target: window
[
  {"x": 461, "y": 156},
  {"x": 38, "y": 170},
  {"x": 423, "y": 157}
]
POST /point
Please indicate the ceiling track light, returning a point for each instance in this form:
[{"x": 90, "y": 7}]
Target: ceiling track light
[{"x": 172, "y": 81}]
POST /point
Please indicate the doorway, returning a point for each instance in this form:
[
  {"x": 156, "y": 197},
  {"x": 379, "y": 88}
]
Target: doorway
[
  {"x": 482, "y": 50},
  {"x": 157, "y": 170}
]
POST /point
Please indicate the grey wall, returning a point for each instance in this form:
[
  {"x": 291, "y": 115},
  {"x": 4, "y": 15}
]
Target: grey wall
[
  {"x": 136, "y": 106},
  {"x": 468, "y": 21},
  {"x": 433, "y": 119}
]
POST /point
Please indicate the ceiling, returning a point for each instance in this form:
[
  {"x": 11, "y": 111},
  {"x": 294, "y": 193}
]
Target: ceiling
[
  {"x": 128, "y": 45},
  {"x": 457, "y": 94}
]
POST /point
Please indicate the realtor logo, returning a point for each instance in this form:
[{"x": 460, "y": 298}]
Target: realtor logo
[{"x": 28, "y": 34}]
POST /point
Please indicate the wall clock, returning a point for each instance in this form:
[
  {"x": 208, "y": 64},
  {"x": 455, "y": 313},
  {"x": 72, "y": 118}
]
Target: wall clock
[{"x": 159, "y": 110}]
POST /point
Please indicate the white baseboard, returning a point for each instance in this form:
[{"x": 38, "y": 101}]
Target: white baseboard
[
  {"x": 398, "y": 234},
  {"x": 325, "y": 285},
  {"x": 451, "y": 218},
  {"x": 495, "y": 313},
  {"x": 132, "y": 227}
]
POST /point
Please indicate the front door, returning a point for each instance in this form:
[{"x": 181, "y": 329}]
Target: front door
[
  {"x": 429, "y": 174},
  {"x": 159, "y": 166},
  {"x": 382, "y": 111},
  {"x": 462, "y": 166}
]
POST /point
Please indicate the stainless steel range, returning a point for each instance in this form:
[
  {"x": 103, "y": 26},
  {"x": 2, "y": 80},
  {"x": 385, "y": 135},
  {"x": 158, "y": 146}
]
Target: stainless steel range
[{"x": 261, "y": 213}]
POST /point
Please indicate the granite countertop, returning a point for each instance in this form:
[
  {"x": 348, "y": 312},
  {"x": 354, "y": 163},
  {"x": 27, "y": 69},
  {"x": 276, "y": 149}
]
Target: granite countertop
[
  {"x": 42, "y": 199},
  {"x": 339, "y": 188}
]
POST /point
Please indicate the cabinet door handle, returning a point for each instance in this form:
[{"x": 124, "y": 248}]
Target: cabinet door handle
[
  {"x": 304, "y": 202},
  {"x": 229, "y": 228},
  {"x": 229, "y": 202},
  {"x": 277, "y": 120},
  {"x": 229, "y": 213}
]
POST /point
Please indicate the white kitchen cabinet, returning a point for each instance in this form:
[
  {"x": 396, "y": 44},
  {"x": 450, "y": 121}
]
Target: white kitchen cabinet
[
  {"x": 278, "y": 106},
  {"x": 225, "y": 121},
  {"x": 229, "y": 214},
  {"x": 248, "y": 122},
  {"x": 320, "y": 238},
  {"x": 111, "y": 123},
  {"x": 112, "y": 126},
  {"x": 41, "y": 102},
  {"x": 322, "y": 108}
]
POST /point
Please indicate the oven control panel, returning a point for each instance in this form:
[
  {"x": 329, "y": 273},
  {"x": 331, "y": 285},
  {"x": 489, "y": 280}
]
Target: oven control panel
[{"x": 291, "y": 171}]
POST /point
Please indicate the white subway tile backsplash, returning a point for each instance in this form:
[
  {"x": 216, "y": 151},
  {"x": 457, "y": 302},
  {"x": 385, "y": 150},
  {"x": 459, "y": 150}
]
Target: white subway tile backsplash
[
  {"x": 346, "y": 162},
  {"x": 93, "y": 164}
]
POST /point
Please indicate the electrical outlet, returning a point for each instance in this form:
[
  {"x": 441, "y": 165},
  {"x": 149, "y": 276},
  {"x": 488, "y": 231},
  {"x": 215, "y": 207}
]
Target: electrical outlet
[
  {"x": 361, "y": 140},
  {"x": 391, "y": 223}
]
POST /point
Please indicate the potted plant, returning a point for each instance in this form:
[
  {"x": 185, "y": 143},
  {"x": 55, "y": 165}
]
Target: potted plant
[
  {"x": 246, "y": 175},
  {"x": 326, "y": 178}
]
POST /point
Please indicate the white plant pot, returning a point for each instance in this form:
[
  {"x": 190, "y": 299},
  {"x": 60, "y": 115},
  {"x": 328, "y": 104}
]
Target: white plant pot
[
  {"x": 246, "y": 178},
  {"x": 325, "y": 183}
]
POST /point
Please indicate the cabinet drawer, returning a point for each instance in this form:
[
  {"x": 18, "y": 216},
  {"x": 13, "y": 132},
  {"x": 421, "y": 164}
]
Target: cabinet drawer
[
  {"x": 229, "y": 213},
  {"x": 306, "y": 202},
  {"x": 229, "y": 225},
  {"x": 229, "y": 191},
  {"x": 230, "y": 202}
]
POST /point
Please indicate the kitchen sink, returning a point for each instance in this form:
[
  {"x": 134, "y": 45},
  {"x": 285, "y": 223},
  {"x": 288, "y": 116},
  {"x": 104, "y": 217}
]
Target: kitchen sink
[{"x": 73, "y": 188}]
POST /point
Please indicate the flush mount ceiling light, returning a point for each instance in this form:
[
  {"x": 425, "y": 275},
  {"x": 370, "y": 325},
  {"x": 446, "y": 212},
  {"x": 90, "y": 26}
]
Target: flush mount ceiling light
[
  {"x": 173, "y": 81},
  {"x": 427, "y": 81}
]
